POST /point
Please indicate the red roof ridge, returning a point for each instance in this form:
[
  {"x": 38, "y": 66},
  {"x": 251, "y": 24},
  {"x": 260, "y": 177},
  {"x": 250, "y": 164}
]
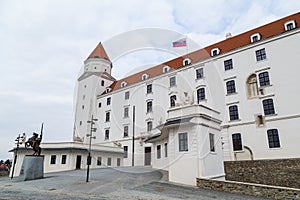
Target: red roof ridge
[{"x": 266, "y": 31}]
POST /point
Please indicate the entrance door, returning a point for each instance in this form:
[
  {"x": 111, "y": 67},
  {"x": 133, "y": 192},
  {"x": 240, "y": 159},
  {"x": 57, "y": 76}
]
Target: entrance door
[
  {"x": 78, "y": 162},
  {"x": 147, "y": 155}
]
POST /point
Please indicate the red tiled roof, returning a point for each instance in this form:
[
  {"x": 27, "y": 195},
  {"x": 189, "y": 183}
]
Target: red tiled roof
[
  {"x": 266, "y": 31},
  {"x": 99, "y": 52}
]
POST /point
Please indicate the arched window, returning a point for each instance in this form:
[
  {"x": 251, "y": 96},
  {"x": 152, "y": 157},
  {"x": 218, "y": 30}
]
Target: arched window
[{"x": 252, "y": 88}]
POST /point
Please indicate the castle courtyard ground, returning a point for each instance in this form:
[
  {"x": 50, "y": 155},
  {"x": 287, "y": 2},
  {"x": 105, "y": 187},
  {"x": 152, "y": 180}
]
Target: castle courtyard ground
[{"x": 109, "y": 183}]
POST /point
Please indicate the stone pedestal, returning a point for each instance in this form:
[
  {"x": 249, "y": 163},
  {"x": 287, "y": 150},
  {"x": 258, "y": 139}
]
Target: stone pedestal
[{"x": 32, "y": 168}]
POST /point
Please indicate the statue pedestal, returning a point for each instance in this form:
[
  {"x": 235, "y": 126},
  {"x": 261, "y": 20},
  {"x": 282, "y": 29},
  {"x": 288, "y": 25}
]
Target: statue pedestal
[{"x": 32, "y": 168}]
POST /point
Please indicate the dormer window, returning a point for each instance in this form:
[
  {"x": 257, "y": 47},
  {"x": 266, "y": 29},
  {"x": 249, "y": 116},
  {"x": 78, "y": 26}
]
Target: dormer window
[
  {"x": 186, "y": 62},
  {"x": 166, "y": 69},
  {"x": 108, "y": 90},
  {"x": 215, "y": 52},
  {"x": 145, "y": 76},
  {"x": 255, "y": 37},
  {"x": 289, "y": 25},
  {"x": 123, "y": 84}
]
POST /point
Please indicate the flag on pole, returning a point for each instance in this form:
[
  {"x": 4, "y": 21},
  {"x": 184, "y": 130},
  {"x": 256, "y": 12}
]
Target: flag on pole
[{"x": 180, "y": 43}]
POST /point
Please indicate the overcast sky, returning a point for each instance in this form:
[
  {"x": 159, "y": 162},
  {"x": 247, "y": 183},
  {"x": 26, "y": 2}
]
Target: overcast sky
[{"x": 43, "y": 44}]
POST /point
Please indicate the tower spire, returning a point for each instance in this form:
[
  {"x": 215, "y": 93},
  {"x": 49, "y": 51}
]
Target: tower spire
[{"x": 99, "y": 52}]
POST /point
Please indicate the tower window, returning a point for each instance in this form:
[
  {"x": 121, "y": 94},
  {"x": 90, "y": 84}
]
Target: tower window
[
  {"x": 183, "y": 141},
  {"x": 106, "y": 137},
  {"x": 125, "y": 131},
  {"x": 126, "y": 112},
  {"x": 102, "y": 83},
  {"x": 149, "y": 126},
  {"x": 273, "y": 138},
  {"x": 99, "y": 105},
  {"x": 212, "y": 142},
  {"x": 126, "y": 95},
  {"x": 199, "y": 73},
  {"x": 108, "y": 101},
  {"x": 268, "y": 107},
  {"x": 149, "y": 106},
  {"x": 230, "y": 85},
  {"x": 149, "y": 88},
  {"x": 200, "y": 94},
  {"x": 264, "y": 79},
  {"x": 237, "y": 142},
  {"x": 125, "y": 148},
  {"x": 107, "y": 116},
  {"x": 261, "y": 54},
  {"x": 228, "y": 64},
  {"x": 158, "y": 148},
  {"x": 233, "y": 112},
  {"x": 172, "y": 81}
]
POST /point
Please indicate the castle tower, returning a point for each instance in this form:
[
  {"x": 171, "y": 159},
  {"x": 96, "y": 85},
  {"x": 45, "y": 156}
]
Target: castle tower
[{"x": 92, "y": 82}]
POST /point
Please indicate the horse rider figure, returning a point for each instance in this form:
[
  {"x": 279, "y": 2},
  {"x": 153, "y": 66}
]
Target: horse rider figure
[{"x": 34, "y": 142}]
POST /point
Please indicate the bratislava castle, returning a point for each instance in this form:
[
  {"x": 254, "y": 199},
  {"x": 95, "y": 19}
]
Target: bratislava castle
[{"x": 238, "y": 99}]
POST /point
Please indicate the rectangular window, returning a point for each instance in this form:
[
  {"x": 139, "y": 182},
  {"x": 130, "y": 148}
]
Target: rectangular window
[
  {"x": 107, "y": 116},
  {"x": 125, "y": 131},
  {"x": 268, "y": 107},
  {"x": 233, "y": 112},
  {"x": 230, "y": 86},
  {"x": 126, "y": 95},
  {"x": 264, "y": 79},
  {"x": 166, "y": 149},
  {"x": 99, "y": 161},
  {"x": 158, "y": 148},
  {"x": 149, "y": 106},
  {"x": 183, "y": 141},
  {"x": 126, "y": 112},
  {"x": 108, "y": 101},
  {"x": 261, "y": 54},
  {"x": 237, "y": 142},
  {"x": 228, "y": 64},
  {"x": 273, "y": 138},
  {"x": 108, "y": 161},
  {"x": 149, "y": 126},
  {"x": 200, "y": 94},
  {"x": 125, "y": 148},
  {"x": 199, "y": 73},
  {"x": 106, "y": 137},
  {"x": 212, "y": 142},
  {"x": 63, "y": 159},
  {"x": 172, "y": 101},
  {"x": 53, "y": 159},
  {"x": 172, "y": 81},
  {"x": 118, "y": 161},
  {"x": 149, "y": 88}
]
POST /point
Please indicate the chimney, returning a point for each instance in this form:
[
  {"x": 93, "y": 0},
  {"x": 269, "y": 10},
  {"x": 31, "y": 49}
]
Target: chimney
[{"x": 228, "y": 35}]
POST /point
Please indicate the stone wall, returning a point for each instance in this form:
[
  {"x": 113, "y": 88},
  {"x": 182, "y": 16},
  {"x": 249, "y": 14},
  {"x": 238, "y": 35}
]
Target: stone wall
[
  {"x": 281, "y": 172},
  {"x": 257, "y": 190}
]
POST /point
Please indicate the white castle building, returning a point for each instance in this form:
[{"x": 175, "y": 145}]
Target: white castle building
[{"x": 237, "y": 99}]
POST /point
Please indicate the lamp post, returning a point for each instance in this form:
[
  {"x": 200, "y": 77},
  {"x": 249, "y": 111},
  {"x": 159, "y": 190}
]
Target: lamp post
[
  {"x": 89, "y": 159},
  {"x": 16, "y": 153}
]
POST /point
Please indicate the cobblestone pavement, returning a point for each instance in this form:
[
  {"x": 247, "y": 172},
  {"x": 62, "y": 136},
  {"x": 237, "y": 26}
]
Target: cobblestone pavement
[{"x": 115, "y": 183}]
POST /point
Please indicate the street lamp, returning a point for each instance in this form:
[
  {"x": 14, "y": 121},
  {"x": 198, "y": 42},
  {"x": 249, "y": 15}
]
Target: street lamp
[
  {"x": 89, "y": 159},
  {"x": 19, "y": 141}
]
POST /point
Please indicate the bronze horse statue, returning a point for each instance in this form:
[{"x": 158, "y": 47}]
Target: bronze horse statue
[{"x": 34, "y": 142}]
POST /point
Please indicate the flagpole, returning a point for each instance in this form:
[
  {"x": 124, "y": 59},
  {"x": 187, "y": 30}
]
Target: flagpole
[{"x": 187, "y": 46}]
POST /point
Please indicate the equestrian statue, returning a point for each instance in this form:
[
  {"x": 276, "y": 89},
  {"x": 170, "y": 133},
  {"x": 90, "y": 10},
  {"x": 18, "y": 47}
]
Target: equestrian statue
[{"x": 35, "y": 141}]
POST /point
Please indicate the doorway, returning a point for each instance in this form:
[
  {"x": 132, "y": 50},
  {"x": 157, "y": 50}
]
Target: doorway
[
  {"x": 78, "y": 162},
  {"x": 147, "y": 156}
]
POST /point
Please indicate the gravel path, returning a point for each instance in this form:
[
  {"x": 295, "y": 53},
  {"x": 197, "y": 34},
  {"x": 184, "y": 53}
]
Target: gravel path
[{"x": 115, "y": 183}]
